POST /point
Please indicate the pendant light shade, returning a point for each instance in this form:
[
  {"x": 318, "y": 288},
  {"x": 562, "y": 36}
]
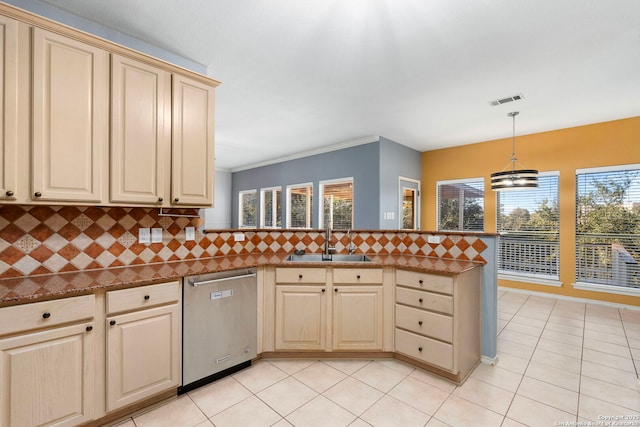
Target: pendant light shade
[{"x": 511, "y": 178}]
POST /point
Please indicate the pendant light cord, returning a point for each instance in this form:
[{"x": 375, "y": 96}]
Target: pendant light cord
[{"x": 514, "y": 159}]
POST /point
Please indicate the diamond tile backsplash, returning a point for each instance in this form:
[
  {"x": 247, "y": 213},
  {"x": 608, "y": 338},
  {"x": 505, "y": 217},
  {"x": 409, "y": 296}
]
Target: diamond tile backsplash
[{"x": 52, "y": 239}]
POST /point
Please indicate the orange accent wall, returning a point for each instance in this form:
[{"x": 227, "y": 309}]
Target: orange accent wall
[{"x": 564, "y": 150}]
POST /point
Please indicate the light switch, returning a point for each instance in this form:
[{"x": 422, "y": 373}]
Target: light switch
[
  {"x": 144, "y": 236},
  {"x": 189, "y": 233},
  {"x": 156, "y": 235}
]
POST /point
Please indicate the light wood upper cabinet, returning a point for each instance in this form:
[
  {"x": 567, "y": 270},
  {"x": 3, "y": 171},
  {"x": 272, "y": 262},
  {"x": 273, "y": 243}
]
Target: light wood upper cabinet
[
  {"x": 192, "y": 142},
  {"x": 8, "y": 108},
  {"x": 70, "y": 119},
  {"x": 140, "y": 131}
]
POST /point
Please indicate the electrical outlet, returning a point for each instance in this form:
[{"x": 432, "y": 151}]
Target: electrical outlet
[
  {"x": 433, "y": 239},
  {"x": 156, "y": 235},
  {"x": 238, "y": 237},
  {"x": 189, "y": 233},
  {"x": 144, "y": 236}
]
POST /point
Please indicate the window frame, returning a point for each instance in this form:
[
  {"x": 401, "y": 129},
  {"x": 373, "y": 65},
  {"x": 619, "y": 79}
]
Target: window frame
[
  {"x": 321, "y": 186},
  {"x": 274, "y": 207},
  {"x": 241, "y": 195},
  {"x": 308, "y": 210},
  {"x": 460, "y": 220},
  {"x": 528, "y": 276}
]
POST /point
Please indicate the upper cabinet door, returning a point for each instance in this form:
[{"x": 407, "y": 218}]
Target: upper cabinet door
[
  {"x": 140, "y": 134},
  {"x": 192, "y": 143},
  {"x": 70, "y": 119},
  {"x": 8, "y": 108}
]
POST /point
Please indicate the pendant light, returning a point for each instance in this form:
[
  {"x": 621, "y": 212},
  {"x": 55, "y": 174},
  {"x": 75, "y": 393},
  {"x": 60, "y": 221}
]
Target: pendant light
[{"x": 514, "y": 179}]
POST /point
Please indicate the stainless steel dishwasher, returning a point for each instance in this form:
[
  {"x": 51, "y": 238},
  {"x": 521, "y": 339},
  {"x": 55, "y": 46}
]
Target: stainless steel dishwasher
[{"x": 219, "y": 325}]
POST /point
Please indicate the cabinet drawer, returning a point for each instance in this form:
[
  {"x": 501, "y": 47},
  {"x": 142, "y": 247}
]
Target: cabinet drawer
[
  {"x": 357, "y": 275},
  {"x": 301, "y": 275},
  {"x": 426, "y": 300},
  {"x": 428, "y": 282},
  {"x": 424, "y": 322},
  {"x": 47, "y": 313},
  {"x": 426, "y": 349},
  {"x": 142, "y": 297}
]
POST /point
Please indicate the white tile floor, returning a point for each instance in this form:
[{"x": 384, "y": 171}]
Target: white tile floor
[{"x": 560, "y": 361}]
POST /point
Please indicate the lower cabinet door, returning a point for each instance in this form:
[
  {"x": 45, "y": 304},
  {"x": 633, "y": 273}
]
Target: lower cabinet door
[
  {"x": 357, "y": 318},
  {"x": 143, "y": 354},
  {"x": 46, "y": 377},
  {"x": 301, "y": 317}
]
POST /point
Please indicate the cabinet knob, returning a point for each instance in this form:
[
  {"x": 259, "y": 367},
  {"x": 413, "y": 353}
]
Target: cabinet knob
[
  {"x": 335, "y": 290},
  {"x": 160, "y": 199},
  {"x": 37, "y": 194},
  {"x": 9, "y": 193},
  {"x": 146, "y": 297},
  {"x": 46, "y": 315},
  {"x": 358, "y": 276},
  {"x": 419, "y": 348},
  {"x": 420, "y": 322},
  {"x": 176, "y": 200},
  {"x": 89, "y": 328},
  {"x": 420, "y": 300},
  {"x": 420, "y": 281},
  {"x": 323, "y": 290},
  {"x": 112, "y": 322},
  {"x": 299, "y": 276}
]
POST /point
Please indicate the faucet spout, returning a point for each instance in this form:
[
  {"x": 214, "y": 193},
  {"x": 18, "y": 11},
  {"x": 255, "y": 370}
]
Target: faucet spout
[{"x": 327, "y": 242}]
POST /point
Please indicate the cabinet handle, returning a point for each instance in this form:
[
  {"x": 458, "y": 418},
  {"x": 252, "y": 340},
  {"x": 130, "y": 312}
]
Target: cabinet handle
[
  {"x": 160, "y": 199},
  {"x": 37, "y": 194},
  {"x": 420, "y": 322},
  {"x": 112, "y": 322},
  {"x": 9, "y": 193},
  {"x": 299, "y": 276},
  {"x": 358, "y": 276},
  {"x": 420, "y": 281},
  {"x": 89, "y": 328},
  {"x": 323, "y": 291},
  {"x": 420, "y": 300},
  {"x": 176, "y": 200},
  {"x": 335, "y": 290},
  {"x": 146, "y": 297},
  {"x": 46, "y": 315},
  {"x": 419, "y": 348}
]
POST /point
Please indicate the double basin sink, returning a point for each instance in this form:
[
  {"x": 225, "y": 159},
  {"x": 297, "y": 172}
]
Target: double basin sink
[{"x": 328, "y": 258}]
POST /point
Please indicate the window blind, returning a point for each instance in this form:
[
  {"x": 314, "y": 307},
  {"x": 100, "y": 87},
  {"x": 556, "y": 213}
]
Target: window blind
[
  {"x": 608, "y": 226},
  {"x": 528, "y": 223}
]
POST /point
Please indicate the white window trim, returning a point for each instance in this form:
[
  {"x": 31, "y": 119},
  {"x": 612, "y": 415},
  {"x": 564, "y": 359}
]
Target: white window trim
[
  {"x": 607, "y": 289},
  {"x": 240, "y": 194},
  {"x": 400, "y": 200},
  {"x": 288, "y": 205},
  {"x": 457, "y": 181},
  {"x": 262, "y": 208},
  {"x": 321, "y": 185},
  {"x": 615, "y": 168}
]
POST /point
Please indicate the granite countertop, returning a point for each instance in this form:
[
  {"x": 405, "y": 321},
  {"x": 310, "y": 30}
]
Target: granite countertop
[{"x": 21, "y": 290}]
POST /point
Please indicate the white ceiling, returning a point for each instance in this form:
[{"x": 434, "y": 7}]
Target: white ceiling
[{"x": 298, "y": 75}]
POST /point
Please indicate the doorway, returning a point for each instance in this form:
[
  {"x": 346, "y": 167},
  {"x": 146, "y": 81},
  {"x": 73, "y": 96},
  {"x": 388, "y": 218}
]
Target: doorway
[{"x": 409, "y": 214}]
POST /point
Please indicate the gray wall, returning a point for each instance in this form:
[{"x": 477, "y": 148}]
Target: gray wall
[
  {"x": 48, "y": 11},
  {"x": 395, "y": 161},
  {"x": 375, "y": 168},
  {"x": 219, "y": 216},
  {"x": 360, "y": 162}
]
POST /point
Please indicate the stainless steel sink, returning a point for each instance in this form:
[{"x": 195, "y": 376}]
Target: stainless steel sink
[{"x": 328, "y": 258}]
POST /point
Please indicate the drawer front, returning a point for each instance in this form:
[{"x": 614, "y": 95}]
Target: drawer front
[
  {"x": 426, "y": 300},
  {"x": 301, "y": 275},
  {"x": 439, "y": 326},
  {"x": 142, "y": 297},
  {"x": 357, "y": 275},
  {"x": 424, "y": 281},
  {"x": 45, "y": 314},
  {"x": 426, "y": 349}
]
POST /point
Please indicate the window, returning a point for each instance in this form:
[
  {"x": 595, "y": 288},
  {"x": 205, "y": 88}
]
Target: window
[
  {"x": 271, "y": 207},
  {"x": 529, "y": 230},
  {"x": 461, "y": 205},
  {"x": 299, "y": 204},
  {"x": 247, "y": 209},
  {"x": 337, "y": 203},
  {"x": 608, "y": 226}
]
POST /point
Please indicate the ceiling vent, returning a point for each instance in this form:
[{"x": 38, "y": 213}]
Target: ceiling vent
[{"x": 506, "y": 100}]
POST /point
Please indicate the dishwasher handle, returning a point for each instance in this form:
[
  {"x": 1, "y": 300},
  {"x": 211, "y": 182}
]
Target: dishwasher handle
[{"x": 223, "y": 279}]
